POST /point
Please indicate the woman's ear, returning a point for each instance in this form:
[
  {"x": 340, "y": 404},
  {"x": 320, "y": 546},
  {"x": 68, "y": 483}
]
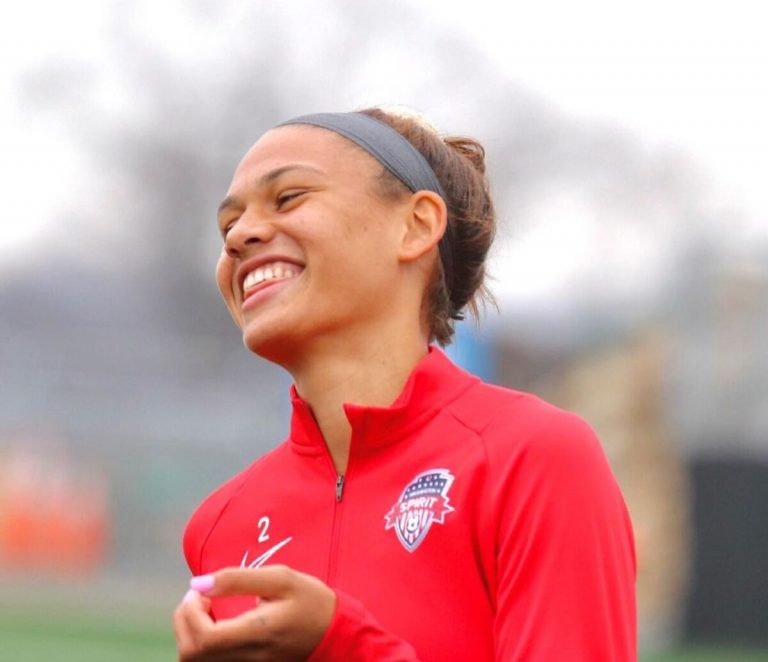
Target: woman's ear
[{"x": 424, "y": 226}]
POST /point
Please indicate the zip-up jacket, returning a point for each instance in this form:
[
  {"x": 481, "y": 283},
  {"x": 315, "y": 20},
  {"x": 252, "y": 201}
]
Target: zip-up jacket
[{"x": 473, "y": 523}]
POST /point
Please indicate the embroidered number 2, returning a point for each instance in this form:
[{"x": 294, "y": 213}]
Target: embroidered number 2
[{"x": 263, "y": 526}]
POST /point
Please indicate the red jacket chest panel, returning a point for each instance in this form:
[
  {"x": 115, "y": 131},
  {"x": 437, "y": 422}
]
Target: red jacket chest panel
[{"x": 287, "y": 512}]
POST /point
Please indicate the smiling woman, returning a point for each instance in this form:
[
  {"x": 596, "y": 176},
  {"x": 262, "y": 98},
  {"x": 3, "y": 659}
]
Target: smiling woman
[{"x": 416, "y": 512}]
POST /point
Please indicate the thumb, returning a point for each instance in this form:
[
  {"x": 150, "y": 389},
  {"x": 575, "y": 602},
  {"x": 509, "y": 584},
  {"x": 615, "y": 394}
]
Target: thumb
[{"x": 270, "y": 582}]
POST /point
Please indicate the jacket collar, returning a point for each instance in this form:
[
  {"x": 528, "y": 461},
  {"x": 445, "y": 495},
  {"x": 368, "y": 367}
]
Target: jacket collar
[{"x": 434, "y": 382}]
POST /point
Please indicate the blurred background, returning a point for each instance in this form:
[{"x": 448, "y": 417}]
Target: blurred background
[{"x": 628, "y": 148}]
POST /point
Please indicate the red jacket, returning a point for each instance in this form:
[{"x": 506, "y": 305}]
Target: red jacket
[{"x": 473, "y": 523}]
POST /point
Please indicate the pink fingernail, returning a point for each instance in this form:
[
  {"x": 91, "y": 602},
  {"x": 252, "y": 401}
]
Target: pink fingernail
[
  {"x": 203, "y": 583},
  {"x": 190, "y": 595}
]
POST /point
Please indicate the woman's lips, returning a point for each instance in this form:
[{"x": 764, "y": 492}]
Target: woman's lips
[
  {"x": 255, "y": 295},
  {"x": 266, "y": 267}
]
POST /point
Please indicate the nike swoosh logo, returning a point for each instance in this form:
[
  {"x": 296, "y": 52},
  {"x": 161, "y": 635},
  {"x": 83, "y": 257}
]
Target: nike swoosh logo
[{"x": 261, "y": 560}]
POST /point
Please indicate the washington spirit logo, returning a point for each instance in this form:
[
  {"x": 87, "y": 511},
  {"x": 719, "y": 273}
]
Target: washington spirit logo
[{"x": 423, "y": 501}]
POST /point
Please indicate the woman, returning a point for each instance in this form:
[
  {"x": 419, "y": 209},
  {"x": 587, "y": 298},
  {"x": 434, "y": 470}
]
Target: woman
[{"x": 414, "y": 513}]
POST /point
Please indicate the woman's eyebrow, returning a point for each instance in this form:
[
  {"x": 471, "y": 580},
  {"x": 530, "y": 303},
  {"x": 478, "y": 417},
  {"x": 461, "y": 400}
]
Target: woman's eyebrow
[
  {"x": 229, "y": 201},
  {"x": 272, "y": 175},
  {"x": 264, "y": 180}
]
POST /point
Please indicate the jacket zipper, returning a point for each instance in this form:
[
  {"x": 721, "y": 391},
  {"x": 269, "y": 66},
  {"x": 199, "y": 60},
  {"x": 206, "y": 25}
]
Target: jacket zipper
[{"x": 333, "y": 552}]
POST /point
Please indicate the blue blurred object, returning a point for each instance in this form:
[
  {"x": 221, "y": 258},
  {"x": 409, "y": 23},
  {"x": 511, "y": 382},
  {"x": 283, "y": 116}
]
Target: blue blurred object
[{"x": 473, "y": 349}]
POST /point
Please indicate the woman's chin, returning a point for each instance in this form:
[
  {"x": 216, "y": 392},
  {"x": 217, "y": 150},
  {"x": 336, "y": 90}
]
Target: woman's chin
[{"x": 270, "y": 344}]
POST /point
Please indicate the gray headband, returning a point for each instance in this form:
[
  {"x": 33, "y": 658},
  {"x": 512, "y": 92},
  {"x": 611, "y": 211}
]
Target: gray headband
[{"x": 397, "y": 155}]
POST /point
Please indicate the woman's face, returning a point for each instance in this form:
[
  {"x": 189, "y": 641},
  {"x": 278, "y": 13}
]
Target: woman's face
[{"x": 310, "y": 248}]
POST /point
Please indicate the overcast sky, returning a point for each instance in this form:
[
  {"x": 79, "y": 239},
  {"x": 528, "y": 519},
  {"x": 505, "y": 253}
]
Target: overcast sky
[{"x": 680, "y": 73}]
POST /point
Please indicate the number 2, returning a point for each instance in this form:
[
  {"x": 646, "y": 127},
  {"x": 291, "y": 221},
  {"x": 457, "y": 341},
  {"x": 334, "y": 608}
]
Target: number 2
[{"x": 263, "y": 525}]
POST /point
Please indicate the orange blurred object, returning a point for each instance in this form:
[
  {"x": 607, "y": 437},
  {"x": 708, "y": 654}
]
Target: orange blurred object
[{"x": 54, "y": 515}]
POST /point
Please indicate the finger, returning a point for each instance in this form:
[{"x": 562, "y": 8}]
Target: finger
[
  {"x": 251, "y": 629},
  {"x": 269, "y": 582},
  {"x": 191, "y": 622},
  {"x": 198, "y": 636},
  {"x": 228, "y": 639},
  {"x": 180, "y": 629},
  {"x": 194, "y": 610}
]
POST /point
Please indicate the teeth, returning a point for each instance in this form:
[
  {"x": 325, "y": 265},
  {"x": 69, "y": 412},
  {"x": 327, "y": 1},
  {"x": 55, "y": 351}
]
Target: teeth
[{"x": 267, "y": 273}]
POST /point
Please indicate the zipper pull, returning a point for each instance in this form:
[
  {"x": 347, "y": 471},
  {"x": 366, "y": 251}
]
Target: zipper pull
[{"x": 339, "y": 487}]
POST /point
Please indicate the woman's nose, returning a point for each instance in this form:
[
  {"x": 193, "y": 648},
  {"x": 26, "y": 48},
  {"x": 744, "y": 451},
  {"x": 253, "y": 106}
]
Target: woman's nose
[{"x": 248, "y": 230}]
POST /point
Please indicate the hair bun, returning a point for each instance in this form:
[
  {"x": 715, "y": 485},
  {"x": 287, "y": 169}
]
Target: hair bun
[{"x": 470, "y": 149}]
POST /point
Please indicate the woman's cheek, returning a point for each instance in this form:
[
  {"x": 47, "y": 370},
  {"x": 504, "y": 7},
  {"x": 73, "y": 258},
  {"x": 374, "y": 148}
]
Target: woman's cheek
[{"x": 225, "y": 270}]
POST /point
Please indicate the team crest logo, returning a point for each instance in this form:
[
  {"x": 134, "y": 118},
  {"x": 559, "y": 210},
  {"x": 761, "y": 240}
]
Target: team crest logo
[{"x": 423, "y": 501}]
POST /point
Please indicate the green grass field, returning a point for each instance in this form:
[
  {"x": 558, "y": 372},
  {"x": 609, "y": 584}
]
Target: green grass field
[
  {"x": 58, "y": 639},
  {"x": 81, "y": 641}
]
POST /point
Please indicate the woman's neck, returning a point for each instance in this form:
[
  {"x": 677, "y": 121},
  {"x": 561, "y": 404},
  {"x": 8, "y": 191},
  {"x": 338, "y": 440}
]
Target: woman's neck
[{"x": 372, "y": 376}]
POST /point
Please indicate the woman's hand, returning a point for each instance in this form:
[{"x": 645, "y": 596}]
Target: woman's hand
[{"x": 292, "y": 614}]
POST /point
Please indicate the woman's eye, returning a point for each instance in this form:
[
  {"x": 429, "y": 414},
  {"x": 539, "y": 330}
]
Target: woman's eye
[
  {"x": 284, "y": 198},
  {"x": 225, "y": 230}
]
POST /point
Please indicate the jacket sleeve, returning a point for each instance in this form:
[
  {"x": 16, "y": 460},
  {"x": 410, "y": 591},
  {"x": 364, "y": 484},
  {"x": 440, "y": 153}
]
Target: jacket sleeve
[
  {"x": 565, "y": 550},
  {"x": 355, "y": 636}
]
